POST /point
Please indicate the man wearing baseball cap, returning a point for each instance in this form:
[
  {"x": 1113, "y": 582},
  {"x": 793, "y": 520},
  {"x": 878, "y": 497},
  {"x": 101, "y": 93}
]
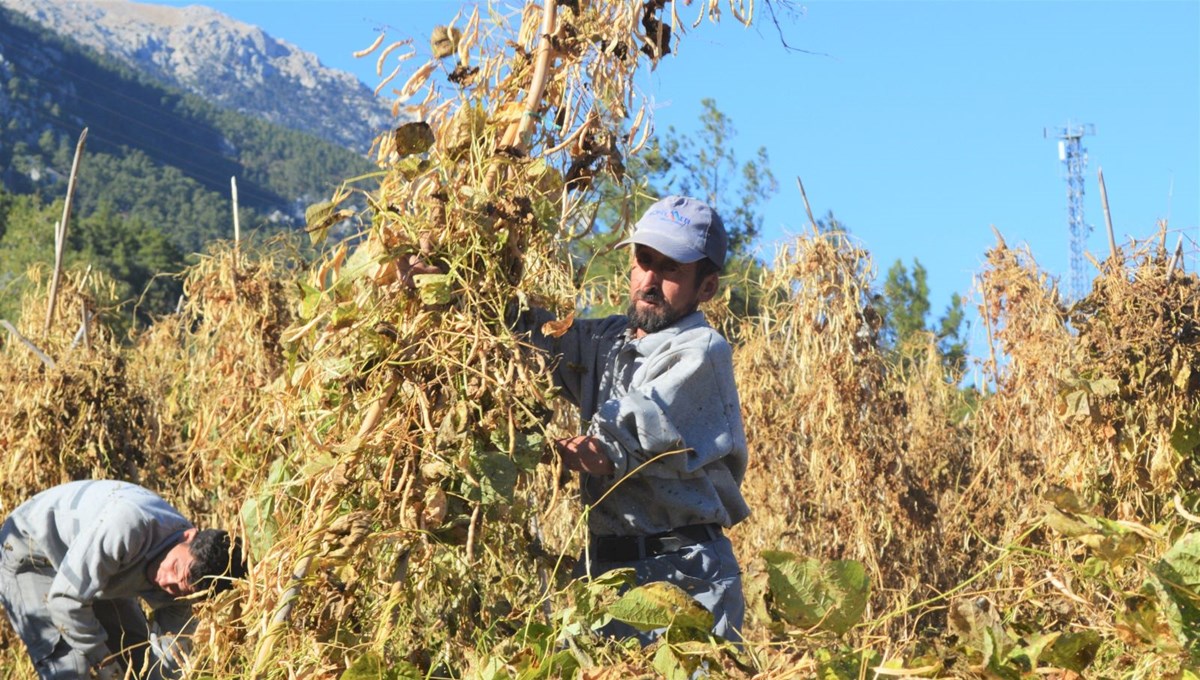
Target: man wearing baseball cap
[{"x": 663, "y": 452}]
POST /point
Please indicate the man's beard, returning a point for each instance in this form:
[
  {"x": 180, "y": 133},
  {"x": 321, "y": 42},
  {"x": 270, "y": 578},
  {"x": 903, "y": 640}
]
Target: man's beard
[{"x": 654, "y": 319}]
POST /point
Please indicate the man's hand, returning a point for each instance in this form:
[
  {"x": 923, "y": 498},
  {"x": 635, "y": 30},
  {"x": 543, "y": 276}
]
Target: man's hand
[
  {"x": 110, "y": 670},
  {"x": 411, "y": 265},
  {"x": 171, "y": 650},
  {"x": 584, "y": 454}
]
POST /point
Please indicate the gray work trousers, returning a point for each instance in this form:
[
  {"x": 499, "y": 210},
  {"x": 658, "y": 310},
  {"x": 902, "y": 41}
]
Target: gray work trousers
[
  {"x": 708, "y": 571},
  {"x": 25, "y": 578}
]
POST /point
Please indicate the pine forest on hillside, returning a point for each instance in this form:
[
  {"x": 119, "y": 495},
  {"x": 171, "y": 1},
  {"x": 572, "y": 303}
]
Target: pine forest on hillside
[
  {"x": 377, "y": 442},
  {"x": 156, "y": 179}
]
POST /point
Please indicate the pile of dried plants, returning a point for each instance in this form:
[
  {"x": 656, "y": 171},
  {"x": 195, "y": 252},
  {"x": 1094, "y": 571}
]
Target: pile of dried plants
[{"x": 372, "y": 428}]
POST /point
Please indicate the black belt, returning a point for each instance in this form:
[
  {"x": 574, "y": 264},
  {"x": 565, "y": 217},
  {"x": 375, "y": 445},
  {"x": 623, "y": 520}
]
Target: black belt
[{"x": 631, "y": 548}]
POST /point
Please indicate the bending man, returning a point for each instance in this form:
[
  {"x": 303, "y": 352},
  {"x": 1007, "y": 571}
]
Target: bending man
[{"x": 76, "y": 559}]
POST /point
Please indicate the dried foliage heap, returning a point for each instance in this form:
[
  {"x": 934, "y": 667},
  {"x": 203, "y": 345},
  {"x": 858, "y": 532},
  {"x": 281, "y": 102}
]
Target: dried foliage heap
[
  {"x": 372, "y": 427},
  {"x": 77, "y": 411},
  {"x": 1047, "y": 522}
]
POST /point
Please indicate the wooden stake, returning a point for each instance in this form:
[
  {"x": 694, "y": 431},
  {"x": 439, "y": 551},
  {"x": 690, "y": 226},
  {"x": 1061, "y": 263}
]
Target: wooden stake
[
  {"x": 81, "y": 335},
  {"x": 807, "y": 207},
  {"x": 1176, "y": 258},
  {"x": 84, "y": 328},
  {"x": 472, "y": 532},
  {"x": 987, "y": 324},
  {"x": 237, "y": 226},
  {"x": 60, "y": 231},
  {"x": 1112, "y": 242},
  {"x": 25, "y": 341}
]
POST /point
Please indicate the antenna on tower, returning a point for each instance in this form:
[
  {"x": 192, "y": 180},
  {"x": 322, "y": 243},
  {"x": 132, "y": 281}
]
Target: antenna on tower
[{"x": 1074, "y": 158}]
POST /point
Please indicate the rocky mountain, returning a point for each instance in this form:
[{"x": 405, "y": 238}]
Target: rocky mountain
[
  {"x": 232, "y": 64},
  {"x": 155, "y": 156}
]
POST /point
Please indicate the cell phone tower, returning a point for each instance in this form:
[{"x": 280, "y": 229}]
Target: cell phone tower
[{"x": 1074, "y": 158}]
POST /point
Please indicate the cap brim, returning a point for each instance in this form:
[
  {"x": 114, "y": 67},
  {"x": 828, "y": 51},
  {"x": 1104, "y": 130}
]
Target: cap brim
[{"x": 673, "y": 248}]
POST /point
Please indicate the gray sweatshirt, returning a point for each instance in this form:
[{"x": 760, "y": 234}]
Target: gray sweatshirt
[
  {"x": 671, "y": 391},
  {"x": 100, "y": 536}
]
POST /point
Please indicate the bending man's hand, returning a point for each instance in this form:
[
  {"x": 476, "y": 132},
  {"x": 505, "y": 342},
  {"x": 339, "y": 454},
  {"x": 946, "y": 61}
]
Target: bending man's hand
[{"x": 584, "y": 454}]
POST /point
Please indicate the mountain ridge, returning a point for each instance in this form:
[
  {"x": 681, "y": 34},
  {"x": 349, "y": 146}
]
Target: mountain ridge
[
  {"x": 153, "y": 152},
  {"x": 232, "y": 64}
]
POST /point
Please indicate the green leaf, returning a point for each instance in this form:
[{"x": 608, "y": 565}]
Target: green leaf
[
  {"x": 535, "y": 634},
  {"x": 1075, "y": 405},
  {"x": 1107, "y": 539},
  {"x": 1177, "y": 583},
  {"x": 1068, "y": 525},
  {"x": 1104, "y": 387},
  {"x": 561, "y": 664},
  {"x": 258, "y": 514},
  {"x": 527, "y": 449},
  {"x": 807, "y": 593},
  {"x": 311, "y": 302},
  {"x": 661, "y": 605},
  {"x": 335, "y": 367},
  {"x": 846, "y": 664},
  {"x": 497, "y": 476},
  {"x": 668, "y": 666},
  {"x": 612, "y": 580},
  {"x": 1074, "y": 651},
  {"x": 680, "y": 661},
  {"x": 370, "y": 667},
  {"x": 494, "y": 669},
  {"x": 590, "y": 597},
  {"x": 319, "y": 217},
  {"x": 358, "y": 264},
  {"x": 433, "y": 289},
  {"x": 1094, "y": 567},
  {"x": 1026, "y": 656},
  {"x": 1141, "y": 616},
  {"x": 412, "y": 167},
  {"x": 344, "y": 316},
  {"x": 994, "y": 645},
  {"x": 317, "y": 464},
  {"x": 1064, "y": 499},
  {"x": 1185, "y": 437},
  {"x": 1115, "y": 548},
  {"x": 1183, "y": 376}
]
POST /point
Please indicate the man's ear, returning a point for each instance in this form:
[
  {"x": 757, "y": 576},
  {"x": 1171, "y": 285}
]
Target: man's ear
[
  {"x": 709, "y": 287},
  {"x": 190, "y": 534}
]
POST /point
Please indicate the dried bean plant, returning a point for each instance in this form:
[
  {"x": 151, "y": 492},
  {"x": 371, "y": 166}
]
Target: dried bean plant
[{"x": 372, "y": 428}]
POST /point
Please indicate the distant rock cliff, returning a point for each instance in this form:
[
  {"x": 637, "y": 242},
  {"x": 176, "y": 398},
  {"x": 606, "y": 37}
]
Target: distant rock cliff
[{"x": 230, "y": 63}]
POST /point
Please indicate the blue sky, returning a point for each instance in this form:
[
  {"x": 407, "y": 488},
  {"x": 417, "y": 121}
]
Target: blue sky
[{"x": 919, "y": 124}]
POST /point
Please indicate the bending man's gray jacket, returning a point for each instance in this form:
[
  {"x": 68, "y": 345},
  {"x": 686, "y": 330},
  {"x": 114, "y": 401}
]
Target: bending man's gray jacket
[
  {"x": 100, "y": 536},
  {"x": 670, "y": 392}
]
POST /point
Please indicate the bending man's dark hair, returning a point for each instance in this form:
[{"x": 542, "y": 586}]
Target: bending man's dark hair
[{"x": 218, "y": 560}]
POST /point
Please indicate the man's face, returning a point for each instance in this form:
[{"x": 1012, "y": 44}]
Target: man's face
[
  {"x": 662, "y": 291},
  {"x": 171, "y": 571}
]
